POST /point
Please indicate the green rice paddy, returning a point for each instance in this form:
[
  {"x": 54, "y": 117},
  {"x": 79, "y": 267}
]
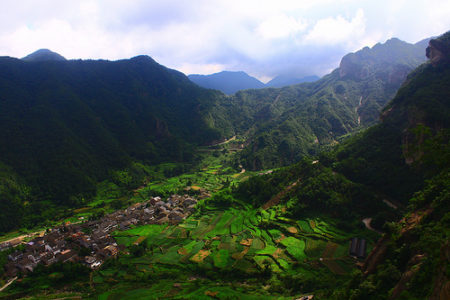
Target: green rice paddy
[{"x": 227, "y": 241}]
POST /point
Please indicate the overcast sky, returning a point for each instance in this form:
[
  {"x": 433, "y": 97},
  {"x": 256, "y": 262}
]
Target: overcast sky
[{"x": 262, "y": 38}]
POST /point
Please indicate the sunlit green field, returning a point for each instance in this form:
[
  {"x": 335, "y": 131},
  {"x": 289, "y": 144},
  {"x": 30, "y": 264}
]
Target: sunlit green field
[{"x": 234, "y": 246}]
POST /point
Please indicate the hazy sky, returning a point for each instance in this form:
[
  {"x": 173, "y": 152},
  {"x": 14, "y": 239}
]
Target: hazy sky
[{"x": 262, "y": 38}]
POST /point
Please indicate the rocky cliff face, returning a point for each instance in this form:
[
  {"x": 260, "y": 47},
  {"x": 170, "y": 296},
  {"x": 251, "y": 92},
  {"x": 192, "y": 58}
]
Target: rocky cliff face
[
  {"x": 398, "y": 74},
  {"x": 423, "y": 100},
  {"x": 438, "y": 52},
  {"x": 349, "y": 67},
  {"x": 390, "y": 61}
]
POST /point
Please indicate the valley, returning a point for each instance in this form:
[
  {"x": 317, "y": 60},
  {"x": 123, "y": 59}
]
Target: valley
[
  {"x": 252, "y": 247},
  {"x": 142, "y": 185}
]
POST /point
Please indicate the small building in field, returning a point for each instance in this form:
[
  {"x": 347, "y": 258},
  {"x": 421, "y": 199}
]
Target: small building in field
[{"x": 358, "y": 248}]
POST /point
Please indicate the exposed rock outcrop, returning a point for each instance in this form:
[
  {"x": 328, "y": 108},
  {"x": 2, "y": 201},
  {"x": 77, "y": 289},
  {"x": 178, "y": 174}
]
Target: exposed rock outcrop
[
  {"x": 398, "y": 74},
  {"x": 412, "y": 269},
  {"x": 376, "y": 256},
  {"x": 384, "y": 61},
  {"x": 438, "y": 52}
]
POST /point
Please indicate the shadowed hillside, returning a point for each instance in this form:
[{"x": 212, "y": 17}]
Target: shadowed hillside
[{"x": 65, "y": 125}]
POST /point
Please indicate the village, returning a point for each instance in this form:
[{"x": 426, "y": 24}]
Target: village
[{"x": 90, "y": 242}]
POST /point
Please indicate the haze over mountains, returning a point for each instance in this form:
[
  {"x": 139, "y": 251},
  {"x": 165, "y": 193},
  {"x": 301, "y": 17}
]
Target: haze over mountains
[
  {"x": 285, "y": 80},
  {"x": 232, "y": 82},
  {"x": 227, "y": 81}
]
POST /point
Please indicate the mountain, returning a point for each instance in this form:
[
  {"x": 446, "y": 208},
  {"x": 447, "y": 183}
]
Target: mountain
[
  {"x": 66, "y": 125},
  {"x": 43, "y": 55},
  {"x": 227, "y": 82},
  {"x": 232, "y": 82},
  {"x": 410, "y": 260},
  {"x": 280, "y": 81},
  {"x": 398, "y": 173},
  {"x": 282, "y": 125}
]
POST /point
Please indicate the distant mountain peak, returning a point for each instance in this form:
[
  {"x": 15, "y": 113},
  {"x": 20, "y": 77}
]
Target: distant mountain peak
[
  {"x": 394, "y": 40},
  {"x": 143, "y": 58},
  {"x": 44, "y": 55},
  {"x": 228, "y": 82},
  {"x": 394, "y": 56}
]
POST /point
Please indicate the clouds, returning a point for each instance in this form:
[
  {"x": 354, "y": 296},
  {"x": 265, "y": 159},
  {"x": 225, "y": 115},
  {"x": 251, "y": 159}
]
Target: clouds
[
  {"x": 264, "y": 38},
  {"x": 337, "y": 30},
  {"x": 280, "y": 26}
]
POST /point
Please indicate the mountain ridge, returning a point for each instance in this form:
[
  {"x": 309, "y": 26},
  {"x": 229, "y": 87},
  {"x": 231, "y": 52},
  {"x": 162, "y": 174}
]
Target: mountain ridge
[{"x": 348, "y": 99}]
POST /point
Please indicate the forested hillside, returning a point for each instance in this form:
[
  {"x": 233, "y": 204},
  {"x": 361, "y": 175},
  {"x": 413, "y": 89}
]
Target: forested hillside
[
  {"x": 285, "y": 80},
  {"x": 285, "y": 124},
  {"x": 66, "y": 125},
  {"x": 411, "y": 261}
]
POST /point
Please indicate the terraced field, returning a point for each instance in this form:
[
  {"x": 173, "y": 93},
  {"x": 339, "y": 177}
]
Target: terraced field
[{"x": 234, "y": 240}]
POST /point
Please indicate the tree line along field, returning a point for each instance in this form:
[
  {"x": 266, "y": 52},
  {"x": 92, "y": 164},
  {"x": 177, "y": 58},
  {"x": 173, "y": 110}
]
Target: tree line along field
[{"x": 242, "y": 248}]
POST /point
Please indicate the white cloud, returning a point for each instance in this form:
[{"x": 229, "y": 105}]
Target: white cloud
[
  {"x": 280, "y": 26},
  {"x": 261, "y": 37},
  {"x": 188, "y": 68},
  {"x": 336, "y": 30}
]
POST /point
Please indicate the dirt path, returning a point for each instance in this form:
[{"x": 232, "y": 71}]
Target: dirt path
[
  {"x": 8, "y": 284},
  {"x": 357, "y": 109},
  {"x": 366, "y": 222},
  {"x": 276, "y": 199},
  {"x": 276, "y": 99},
  {"x": 224, "y": 142},
  {"x": 19, "y": 239},
  {"x": 390, "y": 204}
]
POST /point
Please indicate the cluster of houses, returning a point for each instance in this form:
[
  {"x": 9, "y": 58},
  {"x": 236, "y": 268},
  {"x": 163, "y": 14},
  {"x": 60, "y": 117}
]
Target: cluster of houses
[{"x": 90, "y": 242}]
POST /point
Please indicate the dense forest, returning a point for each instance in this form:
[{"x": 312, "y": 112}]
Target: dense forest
[{"x": 67, "y": 125}]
